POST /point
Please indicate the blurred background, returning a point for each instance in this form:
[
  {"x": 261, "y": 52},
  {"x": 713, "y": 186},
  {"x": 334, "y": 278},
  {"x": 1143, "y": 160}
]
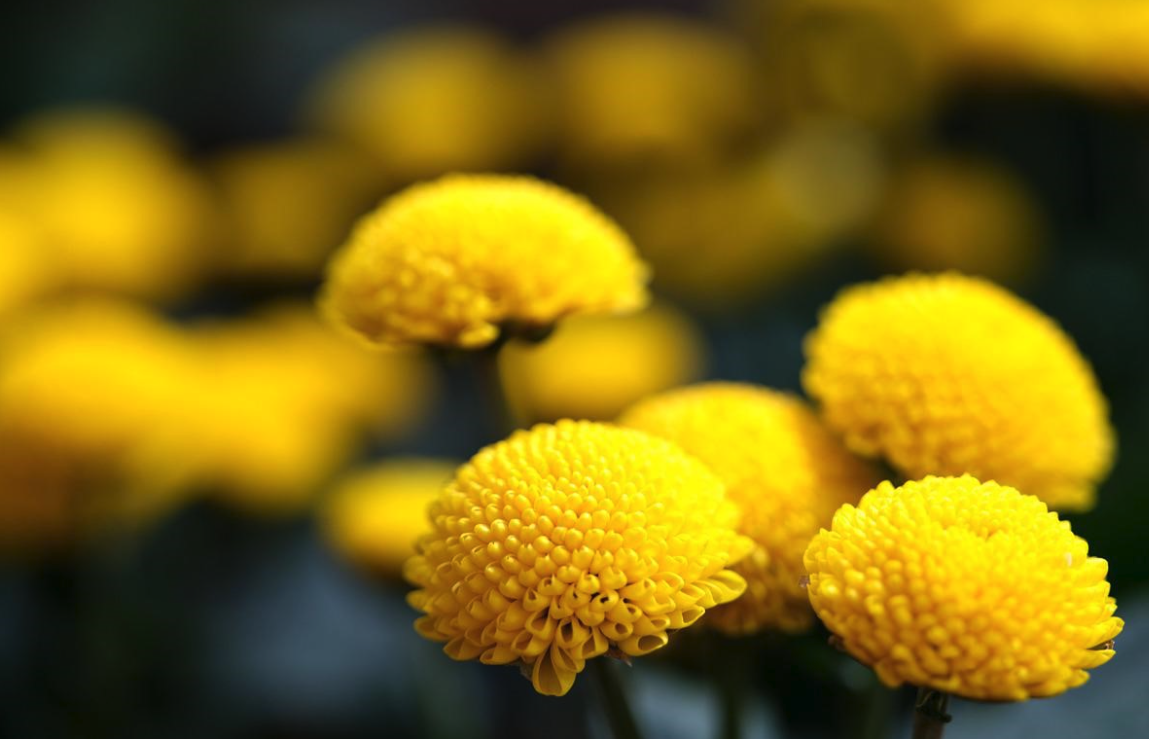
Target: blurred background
[{"x": 205, "y": 493}]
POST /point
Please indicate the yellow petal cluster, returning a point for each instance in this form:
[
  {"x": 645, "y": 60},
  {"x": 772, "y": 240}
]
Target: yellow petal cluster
[
  {"x": 453, "y": 261},
  {"x": 374, "y": 516},
  {"x": 595, "y": 366},
  {"x": 434, "y": 100},
  {"x": 947, "y": 374},
  {"x": 967, "y": 587},
  {"x": 571, "y": 540},
  {"x": 785, "y": 471}
]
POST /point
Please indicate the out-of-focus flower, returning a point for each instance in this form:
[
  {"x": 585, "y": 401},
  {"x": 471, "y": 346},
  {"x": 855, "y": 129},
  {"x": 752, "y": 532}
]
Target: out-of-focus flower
[
  {"x": 285, "y": 401},
  {"x": 785, "y": 471},
  {"x": 118, "y": 209},
  {"x": 455, "y": 261},
  {"x": 876, "y": 62},
  {"x": 24, "y": 272},
  {"x": 287, "y": 205},
  {"x": 946, "y": 374},
  {"x": 1098, "y": 46},
  {"x": 595, "y": 366},
  {"x": 436, "y": 100},
  {"x": 718, "y": 236},
  {"x": 566, "y": 541},
  {"x": 634, "y": 88},
  {"x": 91, "y": 418},
  {"x": 375, "y": 515},
  {"x": 948, "y": 213},
  {"x": 966, "y": 587}
]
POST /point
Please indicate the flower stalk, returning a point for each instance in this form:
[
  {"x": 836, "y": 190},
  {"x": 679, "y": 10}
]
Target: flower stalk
[{"x": 930, "y": 717}]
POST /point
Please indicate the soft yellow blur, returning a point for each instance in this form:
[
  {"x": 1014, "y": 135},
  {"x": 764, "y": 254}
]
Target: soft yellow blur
[
  {"x": 374, "y": 515},
  {"x": 640, "y": 87},
  {"x": 24, "y": 272},
  {"x": 287, "y": 401},
  {"x": 119, "y": 209},
  {"x": 288, "y": 204},
  {"x": 594, "y": 366},
  {"x": 433, "y": 100},
  {"x": 950, "y": 213}
]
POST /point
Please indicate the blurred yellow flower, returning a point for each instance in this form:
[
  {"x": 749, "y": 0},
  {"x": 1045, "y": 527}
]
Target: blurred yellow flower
[
  {"x": 374, "y": 515},
  {"x": 948, "y": 213},
  {"x": 566, "y": 541},
  {"x": 639, "y": 87},
  {"x": 457, "y": 260},
  {"x": 946, "y": 374},
  {"x": 119, "y": 210},
  {"x": 285, "y": 401},
  {"x": 24, "y": 272},
  {"x": 966, "y": 587},
  {"x": 595, "y": 366},
  {"x": 435, "y": 100},
  {"x": 287, "y": 204},
  {"x": 785, "y": 471},
  {"x": 91, "y": 415}
]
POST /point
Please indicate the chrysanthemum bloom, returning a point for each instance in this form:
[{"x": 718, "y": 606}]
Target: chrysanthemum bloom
[
  {"x": 570, "y": 540},
  {"x": 453, "y": 261},
  {"x": 965, "y": 587},
  {"x": 287, "y": 205},
  {"x": 948, "y": 213},
  {"x": 119, "y": 208},
  {"x": 24, "y": 270},
  {"x": 435, "y": 100},
  {"x": 946, "y": 374},
  {"x": 285, "y": 400},
  {"x": 374, "y": 516},
  {"x": 785, "y": 471},
  {"x": 595, "y": 366}
]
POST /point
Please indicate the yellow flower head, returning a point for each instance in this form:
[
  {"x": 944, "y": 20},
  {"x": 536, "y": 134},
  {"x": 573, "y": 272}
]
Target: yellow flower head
[
  {"x": 453, "y": 261},
  {"x": 287, "y": 205},
  {"x": 120, "y": 210},
  {"x": 781, "y": 466},
  {"x": 375, "y": 515},
  {"x": 946, "y": 374},
  {"x": 967, "y": 587},
  {"x": 595, "y": 366},
  {"x": 569, "y": 540},
  {"x": 24, "y": 271},
  {"x": 435, "y": 100}
]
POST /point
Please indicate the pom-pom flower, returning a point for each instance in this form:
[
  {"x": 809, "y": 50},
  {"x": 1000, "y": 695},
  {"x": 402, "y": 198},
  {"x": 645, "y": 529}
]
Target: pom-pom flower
[
  {"x": 946, "y": 374},
  {"x": 595, "y": 366},
  {"x": 564, "y": 542},
  {"x": 453, "y": 261},
  {"x": 781, "y": 466},
  {"x": 375, "y": 515},
  {"x": 965, "y": 587}
]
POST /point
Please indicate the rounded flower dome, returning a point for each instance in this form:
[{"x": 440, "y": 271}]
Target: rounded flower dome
[
  {"x": 781, "y": 466},
  {"x": 566, "y": 541},
  {"x": 455, "y": 261},
  {"x": 966, "y": 587},
  {"x": 947, "y": 374}
]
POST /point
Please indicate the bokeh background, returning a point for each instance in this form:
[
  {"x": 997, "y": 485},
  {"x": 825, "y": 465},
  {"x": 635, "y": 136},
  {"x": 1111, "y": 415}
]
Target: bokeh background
[{"x": 187, "y": 549}]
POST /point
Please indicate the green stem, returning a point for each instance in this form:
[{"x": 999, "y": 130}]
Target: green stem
[
  {"x": 500, "y": 419},
  {"x": 930, "y": 717},
  {"x": 618, "y": 713}
]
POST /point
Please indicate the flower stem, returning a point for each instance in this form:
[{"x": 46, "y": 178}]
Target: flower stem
[
  {"x": 500, "y": 419},
  {"x": 618, "y": 713},
  {"x": 930, "y": 717}
]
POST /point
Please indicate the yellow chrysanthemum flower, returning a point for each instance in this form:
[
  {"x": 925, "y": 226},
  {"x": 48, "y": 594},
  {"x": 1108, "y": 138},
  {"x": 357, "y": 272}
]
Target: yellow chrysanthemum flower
[
  {"x": 965, "y": 587},
  {"x": 286, "y": 205},
  {"x": 595, "y": 366},
  {"x": 119, "y": 209},
  {"x": 640, "y": 86},
  {"x": 455, "y": 260},
  {"x": 946, "y": 374},
  {"x": 948, "y": 213},
  {"x": 435, "y": 100},
  {"x": 25, "y": 274},
  {"x": 285, "y": 401},
  {"x": 781, "y": 466},
  {"x": 569, "y": 540},
  {"x": 375, "y": 515}
]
